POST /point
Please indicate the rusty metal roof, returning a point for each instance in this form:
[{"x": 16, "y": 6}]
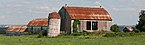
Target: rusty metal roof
[
  {"x": 16, "y": 28},
  {"x": 54, "y": 15},
  {"x": 38, "y": 22},
  {"x": 88, "y": 13}
]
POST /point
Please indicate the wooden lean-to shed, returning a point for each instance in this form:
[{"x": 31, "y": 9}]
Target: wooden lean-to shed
[
  {"x": 16, "y": 30},
  {"x": 37, "y": 25},
  {"x": 54, "y": 24},
  {"x": 91, "y": 19}
]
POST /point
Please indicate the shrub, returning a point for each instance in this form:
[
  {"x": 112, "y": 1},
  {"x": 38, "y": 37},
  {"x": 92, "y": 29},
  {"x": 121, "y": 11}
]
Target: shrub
[
  {"x": 29, "y": 33},
  {"x": 115, "y": 28},
  {"x": 136, "y": 30},
  {"x": 42, "y": 33},
  {"x": 75, "y": 28}
]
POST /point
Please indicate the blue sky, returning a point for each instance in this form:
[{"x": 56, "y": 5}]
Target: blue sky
[{"x": 123, "y": 12}]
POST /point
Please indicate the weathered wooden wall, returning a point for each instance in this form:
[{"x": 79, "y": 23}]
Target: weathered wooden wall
[
  {"x": 102, "y": 25},
  {"x": 65, "y": 21}
]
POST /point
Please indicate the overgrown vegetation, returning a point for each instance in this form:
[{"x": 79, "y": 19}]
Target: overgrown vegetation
[
  {"x": 89, "y": 33},
  {"x": 42, "y": 34},
  {"x": 115, "y": 28},
  {"x": 72, "y": 40},
  {"x": 122, "y": 34},
  {"x": 75, "y": 24},
  {"x": 141, "y": 22}
]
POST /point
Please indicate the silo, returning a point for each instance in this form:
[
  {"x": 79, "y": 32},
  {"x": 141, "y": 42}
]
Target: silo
[{"x": 54, "y": 24}]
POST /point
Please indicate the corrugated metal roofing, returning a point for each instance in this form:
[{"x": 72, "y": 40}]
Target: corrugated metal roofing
[
  {"x": 54, "y": 15},
  {"x": 38, "y": 22},
  {"x": 88, "y": 13},
  {"x": 16, "y": 28}
]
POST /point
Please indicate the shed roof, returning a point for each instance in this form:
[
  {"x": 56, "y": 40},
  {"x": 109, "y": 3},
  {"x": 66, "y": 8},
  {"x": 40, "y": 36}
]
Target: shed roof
[
  {"x": 54, "y": 15},
  {"x": 87, "y": 13},
  {"x": 38, "y": 22},
  {"x": 16, "y": 28}
]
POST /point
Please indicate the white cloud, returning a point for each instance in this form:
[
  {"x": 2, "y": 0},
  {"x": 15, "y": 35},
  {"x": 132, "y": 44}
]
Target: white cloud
[
  {"x": 43, "y": 7},
  {"x": 97, "y": 3},
  {"x": 125, "y": 9}
]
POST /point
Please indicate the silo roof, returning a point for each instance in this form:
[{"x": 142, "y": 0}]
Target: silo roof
[{"x": 54, "y": 15}]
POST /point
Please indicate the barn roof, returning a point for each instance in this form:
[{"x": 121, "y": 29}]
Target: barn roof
[
  {"x": 16, "y": 28},
  {"x": 54, "y": 15},
  {"x": 38, "y": 22},
  {"x": 87, "y": 13}
]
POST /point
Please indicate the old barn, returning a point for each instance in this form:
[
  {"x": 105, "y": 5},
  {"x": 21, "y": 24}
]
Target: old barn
[
  {"x": 91, "y": 19},
  {"x": 37, "y": 25}
]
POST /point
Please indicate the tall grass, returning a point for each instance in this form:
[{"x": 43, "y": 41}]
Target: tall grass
[{"x": 71, "y": 40}]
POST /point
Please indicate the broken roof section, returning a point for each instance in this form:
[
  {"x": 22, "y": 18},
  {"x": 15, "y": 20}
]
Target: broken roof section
[
  {"x": 88, "y": 13},
  {"x": 38, "y": 22},
  {"x": 16, "y": 28},
  {"x": 54, "y": 15}
]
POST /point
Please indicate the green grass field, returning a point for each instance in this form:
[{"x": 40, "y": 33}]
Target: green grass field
[{"x": 71, "y": 40}]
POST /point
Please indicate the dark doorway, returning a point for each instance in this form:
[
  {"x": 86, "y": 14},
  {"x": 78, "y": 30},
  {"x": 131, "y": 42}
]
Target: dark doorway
[{"x": 88, "y": 25}]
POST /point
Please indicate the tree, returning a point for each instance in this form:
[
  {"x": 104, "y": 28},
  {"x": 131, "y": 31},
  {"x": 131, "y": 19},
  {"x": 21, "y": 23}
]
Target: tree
[
  {"x": 141, "y": 22},
  {"x": 115, "y": 28}
]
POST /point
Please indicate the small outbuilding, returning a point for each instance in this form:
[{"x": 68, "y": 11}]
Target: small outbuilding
[
  {"x": 16, "y": 30},
  {"x": 128, "y": 29},
  {"x": 37, "y": 25}
]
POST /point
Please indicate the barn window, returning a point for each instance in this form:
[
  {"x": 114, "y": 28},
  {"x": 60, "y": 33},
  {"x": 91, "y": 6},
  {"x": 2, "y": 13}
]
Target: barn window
[{"x": 92, "y": 25}]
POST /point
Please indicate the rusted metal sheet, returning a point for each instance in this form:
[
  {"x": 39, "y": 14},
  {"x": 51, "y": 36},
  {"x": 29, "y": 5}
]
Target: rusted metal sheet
[
  {"x": 88, "y": 13},
  {"x": 16, "y": 28},
  {"x": 38, "y": 22}
]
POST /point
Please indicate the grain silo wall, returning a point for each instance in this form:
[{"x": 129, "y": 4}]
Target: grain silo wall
[{"x": 54, "y": 27}]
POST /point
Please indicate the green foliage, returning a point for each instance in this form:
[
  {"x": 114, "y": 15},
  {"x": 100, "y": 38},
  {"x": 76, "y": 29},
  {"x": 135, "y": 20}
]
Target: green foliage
[
  {"x": 75, "y": 28},
  {"x": 71, "y": 40},
  {"x": 89, "y": 33},
  {"x": 115, "y": 28},
  {"x": 136, "y": 30},
  {"x": 29, "y": 33},
  {"x": 42, "y": 33},
  {"x": 122, "y": 34},
  {"x": 80, "y": 34},
  {"x": 141, "y": 22}
]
